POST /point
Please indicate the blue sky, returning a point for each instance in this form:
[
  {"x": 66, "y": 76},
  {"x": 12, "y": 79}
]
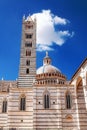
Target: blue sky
[{"x": 66, "y": 57}]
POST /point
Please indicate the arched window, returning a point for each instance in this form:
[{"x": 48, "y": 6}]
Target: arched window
[
  {"x": 28, "y": 53},
  {"x": 28, "y": 62},
  {"x": 27, "y": 71},
  {"x": 29, "y": 44},
  {"x": 22, "y": 103},
  {"x": 4, "y": 107},
  {"x": 28, "y": 36},
  {"x": 46, "y": 101},
  {"x": 68, "y": 101}
]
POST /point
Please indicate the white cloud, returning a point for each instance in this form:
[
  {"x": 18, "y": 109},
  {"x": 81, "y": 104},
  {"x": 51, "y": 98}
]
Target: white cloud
[
  {"x": 59, "y": 20},
  {"x": 45, "y": 47},
  {"x": 46, "y": 30}
]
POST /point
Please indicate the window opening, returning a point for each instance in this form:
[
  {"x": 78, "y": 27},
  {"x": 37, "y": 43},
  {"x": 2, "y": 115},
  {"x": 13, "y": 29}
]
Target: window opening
[
  {"x": 28, "y": 62},
  {"x": 4, "y": 107},
  {"x": 29, "y": 36},
  {"x": 27, "y": 71},
  {"x": 28, "y": 44},
  {"x": 46, "y": 101},
  {"x": 28, "y": 53},
  {"x": 22, "y": 103},
  {"x": 68, "y": 101}
]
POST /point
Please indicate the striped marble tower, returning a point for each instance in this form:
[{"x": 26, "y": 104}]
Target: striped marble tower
[
  {"x": 17, "y": 118},
  {"x": 27, "y": 68}
]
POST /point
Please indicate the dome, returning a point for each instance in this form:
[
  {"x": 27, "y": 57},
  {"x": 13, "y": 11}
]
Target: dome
[{"x": 47, "y": 67}]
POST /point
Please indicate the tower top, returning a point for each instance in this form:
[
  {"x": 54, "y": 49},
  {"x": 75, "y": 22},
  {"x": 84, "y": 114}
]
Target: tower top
[{"x": 29, "y": 18}]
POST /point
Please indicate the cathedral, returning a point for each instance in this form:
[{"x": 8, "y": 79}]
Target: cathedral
[{"x": 42, "y": 99}]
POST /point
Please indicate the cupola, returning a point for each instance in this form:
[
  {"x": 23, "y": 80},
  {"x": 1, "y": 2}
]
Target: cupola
[{"x": 47, "y": 59}]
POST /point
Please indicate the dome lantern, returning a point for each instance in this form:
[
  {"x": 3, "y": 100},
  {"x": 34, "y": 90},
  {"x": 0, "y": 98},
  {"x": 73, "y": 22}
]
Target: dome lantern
[
  {"x": 47, "y": 59},
  {"x": 47, "y": 67}
]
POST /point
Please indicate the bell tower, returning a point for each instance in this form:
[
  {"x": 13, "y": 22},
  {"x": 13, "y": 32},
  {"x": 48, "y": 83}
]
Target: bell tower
[{"x": 27, "y": 67}]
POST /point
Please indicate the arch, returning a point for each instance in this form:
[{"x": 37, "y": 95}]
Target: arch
[
  {"x": 68, "y": 100},
  {"x": 79, "y": 82},
  {"x": 28, "y": 44},
  {"x": 22, "y": 102},
  {"x": 79, "y": 86},
  {"x": 22, "y": 95},
  {"x": 46, "y": 81},
  {"x": 69, "y": 118},
  {"x": 51, "y": 81},
  {"x": 49, "y": 74},
  {"x": 80, "y": 100},
  {"x": 54, "y": 81}
]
